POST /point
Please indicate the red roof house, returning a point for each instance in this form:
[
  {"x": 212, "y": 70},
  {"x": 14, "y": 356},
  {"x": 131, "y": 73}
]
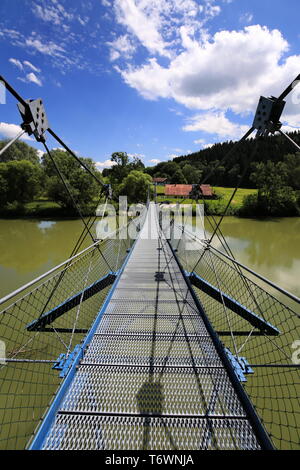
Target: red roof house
[
  {"x": 184, "y": 190},
  {"x": 159, "y": 180}
]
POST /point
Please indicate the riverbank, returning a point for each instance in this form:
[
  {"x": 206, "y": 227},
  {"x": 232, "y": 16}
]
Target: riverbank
[
  {"x": 47, "y": 209},
  {"x": 42, "y": 209}
]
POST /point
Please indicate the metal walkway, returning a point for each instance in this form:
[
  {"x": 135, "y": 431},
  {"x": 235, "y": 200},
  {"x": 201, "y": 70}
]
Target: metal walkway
[{"x": 151, "y": 377}]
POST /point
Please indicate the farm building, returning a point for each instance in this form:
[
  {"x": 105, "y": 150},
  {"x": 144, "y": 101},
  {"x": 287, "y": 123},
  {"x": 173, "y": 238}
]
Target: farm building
[
  {"x": 159, "y": 181},
  {"x": 184, "y": 190}
]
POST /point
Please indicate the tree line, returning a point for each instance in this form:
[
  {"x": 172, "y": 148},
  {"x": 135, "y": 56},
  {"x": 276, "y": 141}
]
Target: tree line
[
  {"x": 24, "y": 177},
  {"x": 194, "y": 167}
]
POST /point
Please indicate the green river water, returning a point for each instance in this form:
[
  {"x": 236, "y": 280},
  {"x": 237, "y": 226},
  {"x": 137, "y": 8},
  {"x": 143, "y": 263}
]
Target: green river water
[{"x": 31, "y": 247}]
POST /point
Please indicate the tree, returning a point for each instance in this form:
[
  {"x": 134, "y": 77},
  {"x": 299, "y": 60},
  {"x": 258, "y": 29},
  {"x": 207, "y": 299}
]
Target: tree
[
  {"x": 170, "y": 168},
  {"x": 275, "y": 197},
  {"x": 20, "y": 181},
  {"x": 191, "y": 174},
  {"x": 3, "y": 186},
  {"x": 137, "y": 164},
  {"x": 83, "y": 186},
  {"x": 120, "y": 170},
  {"x": 135, "y": 186},
  {"x": 233, "y": 175},
  {"x": 292, "y": 168},
  {"x": 178, "y": 178},
  {"x": 19, "y": 151}
]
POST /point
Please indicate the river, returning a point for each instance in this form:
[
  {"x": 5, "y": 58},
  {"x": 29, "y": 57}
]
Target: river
[{"x": 30, "y": 247}]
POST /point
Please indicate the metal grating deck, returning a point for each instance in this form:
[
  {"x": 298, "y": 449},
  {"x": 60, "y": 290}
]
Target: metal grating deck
[{"x": 151, "y": 377}]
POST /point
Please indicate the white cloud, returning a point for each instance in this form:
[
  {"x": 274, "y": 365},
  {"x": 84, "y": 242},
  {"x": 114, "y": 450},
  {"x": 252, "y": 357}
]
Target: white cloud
[
  {"x": 155, "y": 161},
  {"x": 216, "y": 123},
  {"x": 31, "y": 77},
  {"x": 143, "y": 22},
  {"x": 60, "y": 148},
  {"x": 229, "y": 71},
  {"x": 172, "y": 155},
  {"x": 49, "y": 48},
  {"x": 40, "y": 153},
  {"x": 121, "y": 47},
  {"x": 246, "y": 18},
  {"x": 136, "y": 155},
  {"x": 158, "y": 25},
  {"x": 54, "y": 13},
  {"x": 105, "y": 164},
  {"x": 31, "y": 66},
  {"x": 199, "y": 141},
  {"x": 83, "y": 21},
  {"x": 17, "y": 63},
  {"x": 10, "y": 131}
]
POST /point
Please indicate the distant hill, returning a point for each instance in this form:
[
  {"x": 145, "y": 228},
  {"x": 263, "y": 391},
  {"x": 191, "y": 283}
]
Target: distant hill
[{"x": 272, "y": 148}]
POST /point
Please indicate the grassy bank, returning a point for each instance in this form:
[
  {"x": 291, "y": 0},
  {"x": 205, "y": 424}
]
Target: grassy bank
[
  {"x": 38, "y": 208},
  {"x": 215, "y": 206}
]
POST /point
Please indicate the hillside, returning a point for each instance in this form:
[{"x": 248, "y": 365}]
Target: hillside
[{"x": 272, "y": 148}]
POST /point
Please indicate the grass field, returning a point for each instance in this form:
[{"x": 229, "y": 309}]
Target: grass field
[{"x": 215, "y": 206}]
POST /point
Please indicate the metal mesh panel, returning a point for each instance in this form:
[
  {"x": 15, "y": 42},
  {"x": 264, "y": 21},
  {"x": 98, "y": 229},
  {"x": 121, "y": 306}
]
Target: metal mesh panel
[
  {"x": 135, "y": 433},
  {"x": 27, "y": 379},
  {"x": 275, "y": 385},
  {"x": 140, "y": 350},
  {"x": 164, "y": 390},
  {"x": 143, "y": 324}
]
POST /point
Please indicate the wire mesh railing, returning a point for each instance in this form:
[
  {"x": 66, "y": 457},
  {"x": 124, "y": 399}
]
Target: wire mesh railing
[
  {"x": 258, "y": 324},
  {"x": 43, "y": 323}
]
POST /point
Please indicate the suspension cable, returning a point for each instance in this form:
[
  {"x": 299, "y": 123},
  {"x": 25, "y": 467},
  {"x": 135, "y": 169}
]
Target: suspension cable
[
  {"x": 17, "y": 137},
  {"x": 68, "y": 190}
]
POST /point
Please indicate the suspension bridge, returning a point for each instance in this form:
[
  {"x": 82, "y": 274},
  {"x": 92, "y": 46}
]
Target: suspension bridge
[{"x": 157, "y": 341}]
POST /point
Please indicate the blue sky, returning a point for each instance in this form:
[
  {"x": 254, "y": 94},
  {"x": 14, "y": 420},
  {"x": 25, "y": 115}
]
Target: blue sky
[{"x": 154, "y": 78}]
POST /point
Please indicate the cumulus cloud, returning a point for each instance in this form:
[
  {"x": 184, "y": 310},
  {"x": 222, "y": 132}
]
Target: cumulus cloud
[
  {"x": 105, "y": 164},
  {"x": 229, "y": 71},
  {"x": 215, "y": 123},
  {"x": 155, "y": 161},
  {"x": 142, "y": 23},
  {"x": 10, "y": 131},
  {"x": 156, "y": 24}
]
